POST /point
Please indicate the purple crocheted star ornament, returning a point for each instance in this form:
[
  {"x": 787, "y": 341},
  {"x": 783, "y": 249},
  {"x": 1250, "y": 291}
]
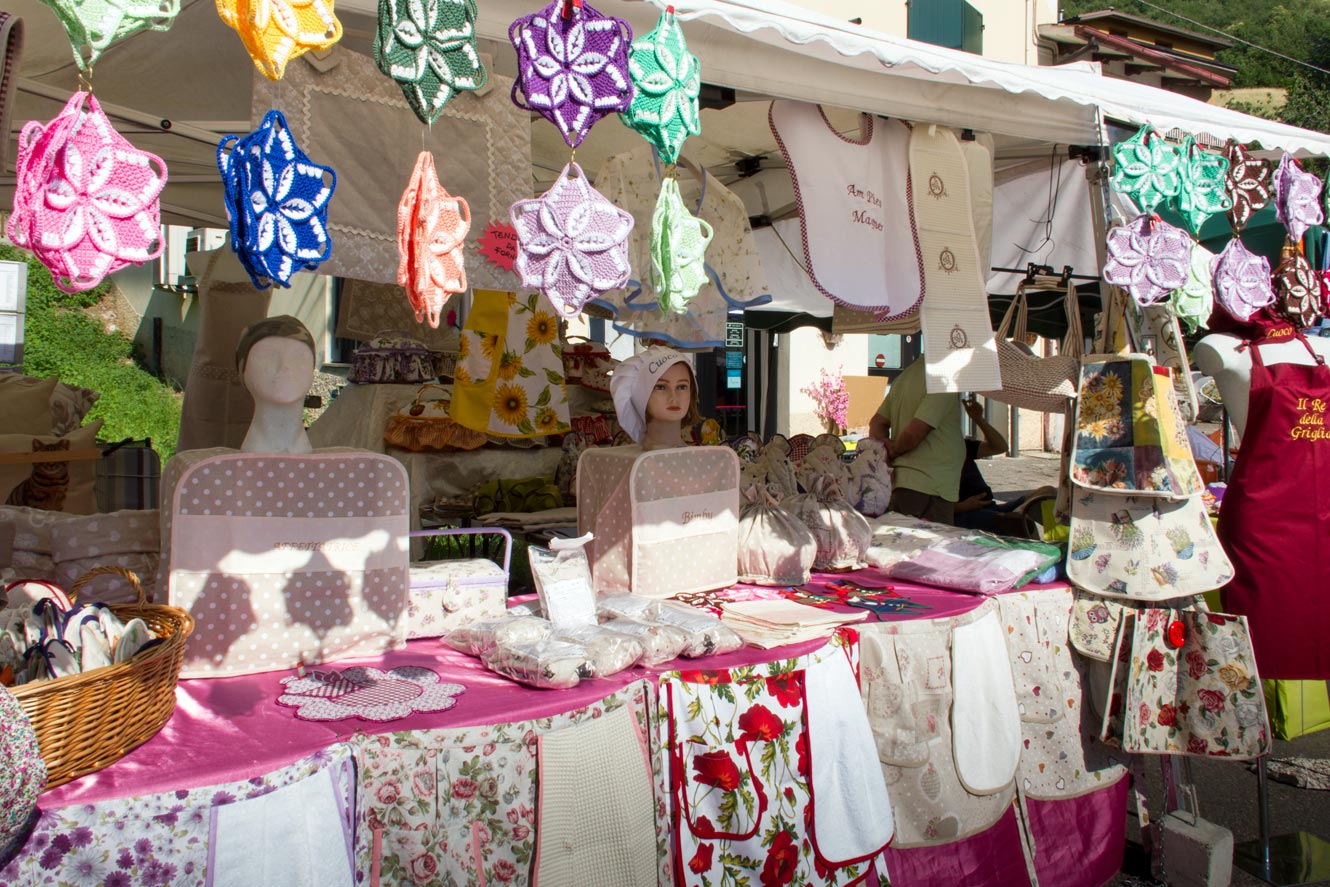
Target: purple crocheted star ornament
[
  {"x": 1242, "y": 280},
  {"x": 1148, "y": 258},
  {"x": 572, "y": 243},
  {"x": 572, "y": 70},
  {"x": 1297, "y": 197}
]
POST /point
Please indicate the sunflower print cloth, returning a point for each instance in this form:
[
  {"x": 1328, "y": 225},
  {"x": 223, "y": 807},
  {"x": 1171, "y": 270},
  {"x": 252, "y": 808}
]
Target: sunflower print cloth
[{"x": 509, "y": 379}]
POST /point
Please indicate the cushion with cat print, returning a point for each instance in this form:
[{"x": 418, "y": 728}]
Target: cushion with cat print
[
  {"x": 69, "y": 403},
  {"x": 52, "y": 486},
  {"x": 26, "y": 407}
]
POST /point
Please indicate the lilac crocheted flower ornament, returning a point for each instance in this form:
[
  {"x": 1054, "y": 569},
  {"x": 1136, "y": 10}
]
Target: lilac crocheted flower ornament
[
  {"x": 1297, "y": 197},
  {"x": 1298, "y": 290},
  {"x": 1247, "y": 184},
  {"x": 1147, "y": 257},
  {"x": 429, "y": 48},
  {"x": 1147, "y": 168},
  {"x": 1203, "y": 175},
  {"x": 667, "y": 80},
  {"x": 572, "y": 69},
  {"x": 1242, "y": 280},
  {"x": 277, "y": 201},
  {"x": 572, "y": 243},
  {"x": 86, "y": 201}
]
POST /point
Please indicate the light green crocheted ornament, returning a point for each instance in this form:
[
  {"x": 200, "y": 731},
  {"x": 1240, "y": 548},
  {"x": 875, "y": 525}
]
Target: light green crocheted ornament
[
  {"x": 1147, "y": 168},
  {"x": 1195, "y": 300},
  {"x": 1203, "y": 193},
  {"x": 93, "y": 25},
  {"x": 678, "y": 250},
  {"x": 666, "y": 80},
  {"x": 429, "y": 48}
]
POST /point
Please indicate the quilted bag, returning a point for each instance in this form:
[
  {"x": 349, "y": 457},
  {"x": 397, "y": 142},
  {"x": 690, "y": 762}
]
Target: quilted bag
[
  {"x": 448, "y": 594},
  {"x": 1046, "y": 384},
  {"x": 572, "y": 66},
  {"x": 392, "y": 357},
  {"x": 431, "y": 231},
  {"x": 424, "y": 424}
]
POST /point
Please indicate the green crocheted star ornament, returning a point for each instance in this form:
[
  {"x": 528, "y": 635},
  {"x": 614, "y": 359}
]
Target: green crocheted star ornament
[
  {"x": 1203, "y": 193},
  {"x": 1147, "y": 168},
  {"x": 666, "y": 80},
  {"x": 93, "y": 25},
  {"x": 678, "y": 250},
  {"x": 429, "y": 48}
]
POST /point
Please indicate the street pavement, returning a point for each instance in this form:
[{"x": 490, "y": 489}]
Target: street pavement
[{"x": 1226, "y": 790}]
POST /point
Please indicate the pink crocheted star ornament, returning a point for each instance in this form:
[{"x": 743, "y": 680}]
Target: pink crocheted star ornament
[
  {"x": 572, "y": 243},
  {"x": 572, "y": 70},
  {"x": 1242, "y": 280},
  {"x": 431, "y": 230},
  {"x": 1297, "y": 197},
  {"x": 1148, "y": 258},
  {"x": 86, "y": 201},
  {"x": 1247, "y": 183}
]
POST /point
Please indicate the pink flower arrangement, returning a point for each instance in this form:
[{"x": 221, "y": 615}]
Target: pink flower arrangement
[{"x": 830, "y": 398}]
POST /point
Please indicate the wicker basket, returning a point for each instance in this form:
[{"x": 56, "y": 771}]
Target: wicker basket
[{"x": 86, "y": 721}]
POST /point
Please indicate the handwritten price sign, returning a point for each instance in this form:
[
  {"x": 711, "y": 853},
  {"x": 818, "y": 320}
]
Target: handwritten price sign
[{"x": 498, "y": 244}]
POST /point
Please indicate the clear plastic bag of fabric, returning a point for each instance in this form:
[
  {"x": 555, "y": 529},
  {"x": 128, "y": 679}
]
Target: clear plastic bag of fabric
[
  {"x": 611, "y": 651},
  {"x": 660, "y": 643},
  {"x": 547, "y": 664},
  {"x": 628, "y": 606},
  {"x": 479, "y": 638},
  {"x": 562, "y": 574},
  {"x": 707, "y": 635}
]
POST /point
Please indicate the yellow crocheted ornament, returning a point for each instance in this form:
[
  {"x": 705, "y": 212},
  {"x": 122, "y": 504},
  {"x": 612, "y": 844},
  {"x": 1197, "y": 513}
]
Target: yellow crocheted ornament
[{"x": 276, "y": 31}]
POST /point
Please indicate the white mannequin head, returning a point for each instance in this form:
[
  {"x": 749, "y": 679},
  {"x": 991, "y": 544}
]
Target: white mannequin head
[
  {"x": 655, "y": 394},
  {"x": 275, "y": 357},
  {"x": 279, "y": 370}
]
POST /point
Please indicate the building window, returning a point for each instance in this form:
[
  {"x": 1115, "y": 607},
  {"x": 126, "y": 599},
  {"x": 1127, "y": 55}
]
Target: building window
[{"x": 954, "y": 24}]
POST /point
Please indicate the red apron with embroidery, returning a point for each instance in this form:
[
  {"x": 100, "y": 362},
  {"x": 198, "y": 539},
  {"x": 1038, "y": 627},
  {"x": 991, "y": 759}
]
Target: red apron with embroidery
[{"x": 1275, "y": 519}]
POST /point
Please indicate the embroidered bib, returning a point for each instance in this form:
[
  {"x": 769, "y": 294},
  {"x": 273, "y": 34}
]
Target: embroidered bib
[
  {"x": 1148, "y": 258},
  {"x": 678, "y": 250},
  {"x": 431, "y": 230},
  {"x": 93, "y": 25},
  {"x": 1247, "y": 183},
  {"x": 572, "y": 71},
  {"x": 277, "y": 201},
  {"x": 1147, "y": 168},
  {"x": 86, "y": 201},
  {"x": 666, "y": 81},
  {"x": 430, "y": 50},
  {"x": 572, "y": 243},
  {"x": 1202, "y": 194},
  {"x": 276, "y": 31},
  {"x": 1297, "y": 197},
  {"x": 1242, "y": 280}
]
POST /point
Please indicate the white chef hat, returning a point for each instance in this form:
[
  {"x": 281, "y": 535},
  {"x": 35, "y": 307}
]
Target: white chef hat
[{"x": 632, "y": 382}]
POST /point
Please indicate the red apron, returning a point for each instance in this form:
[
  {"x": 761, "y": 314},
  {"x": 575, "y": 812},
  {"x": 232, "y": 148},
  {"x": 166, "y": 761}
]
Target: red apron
[{"x": 1275, "y": 519}]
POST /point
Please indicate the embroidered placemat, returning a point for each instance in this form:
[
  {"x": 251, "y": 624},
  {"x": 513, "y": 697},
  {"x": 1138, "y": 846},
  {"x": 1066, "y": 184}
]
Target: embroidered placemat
[{"x": 368, "y": 693}]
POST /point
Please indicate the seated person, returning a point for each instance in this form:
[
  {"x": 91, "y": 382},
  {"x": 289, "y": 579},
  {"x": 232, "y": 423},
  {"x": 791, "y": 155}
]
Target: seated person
[{"x": 976, "y": 509}]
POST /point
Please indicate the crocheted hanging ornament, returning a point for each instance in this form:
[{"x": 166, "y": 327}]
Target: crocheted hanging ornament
[
  {"x": 667, "y": 79},
  {"x": 429, "y": 48},
  {"x": 86, "y": 201},
  {"x": 678, "y": 250},
  {"x": 1202, "y": 194},
  {"x": 431, "y": 230},
  {"x": 277, "y": 201},
  {"x": 1297, "y": 197},
  {"x": 1247, "y": 184},
  {"x": 1147, "y": 168},
  {"x": 572, "y": 243},
  {"x": 93, "y": 25},
  {"x": 1298, "y": 290},
  {"x": 572, "y": 70},
  {"x": 1147, "y": 257},
  {"x": 1195, "y": 300},
  {"x": 1242, "y": 280},
  {"x": 276, "y": 31}
]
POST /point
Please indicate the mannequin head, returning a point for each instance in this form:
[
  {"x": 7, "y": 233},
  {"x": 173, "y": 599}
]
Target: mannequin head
[
  {"x": 655, "y": 394},
  {"x": 275, "y": 357},
  {"x": 671, "y": 398}
]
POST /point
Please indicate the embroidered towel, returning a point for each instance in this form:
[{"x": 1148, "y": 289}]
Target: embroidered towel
[
  {"x": 605, "y": 838},
  {"x": 960, "y": 349}
]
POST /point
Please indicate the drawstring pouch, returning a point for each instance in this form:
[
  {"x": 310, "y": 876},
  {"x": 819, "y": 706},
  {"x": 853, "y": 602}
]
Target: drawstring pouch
[
  {"x": 429, "y": 49},
  {"x": 678, "y": 250},
  {"x": 431, "y": 230},
  {"x": 667, "y": 79}
]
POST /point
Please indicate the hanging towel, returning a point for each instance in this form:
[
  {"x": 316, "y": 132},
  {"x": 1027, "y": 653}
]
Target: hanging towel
[{"x": 985, "y": 721}]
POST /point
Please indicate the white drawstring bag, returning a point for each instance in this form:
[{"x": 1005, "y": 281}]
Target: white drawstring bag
[{"x": 774, "y": 547}]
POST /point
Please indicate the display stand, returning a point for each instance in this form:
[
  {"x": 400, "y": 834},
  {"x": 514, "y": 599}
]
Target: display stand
[{"x": 1283, "y": 860}]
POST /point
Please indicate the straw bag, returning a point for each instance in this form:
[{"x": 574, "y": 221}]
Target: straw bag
[
  {"x": 424, "y": 424},
  {"x": 87, "y": 721},
  {"x": 1045, "y": 384}
]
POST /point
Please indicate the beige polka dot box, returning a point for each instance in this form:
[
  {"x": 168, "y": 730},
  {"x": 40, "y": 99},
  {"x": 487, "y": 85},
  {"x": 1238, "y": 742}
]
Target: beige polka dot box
[{"x": 284, "y": 559}]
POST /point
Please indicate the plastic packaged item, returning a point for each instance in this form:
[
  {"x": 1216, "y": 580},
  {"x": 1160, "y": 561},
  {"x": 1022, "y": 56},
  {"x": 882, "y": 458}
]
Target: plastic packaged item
[
  {"x": 546, "y": 664},
  {"x": 628, "y": 606},
  {"x": 611, "y": 651},
  {"x": 660, "y": 643},
  {"x": 562, "y": 574},
  {"x": 707, "y": 635},
  {"x": 480, "y": 638},
  {"x": 526, "y": 608}
]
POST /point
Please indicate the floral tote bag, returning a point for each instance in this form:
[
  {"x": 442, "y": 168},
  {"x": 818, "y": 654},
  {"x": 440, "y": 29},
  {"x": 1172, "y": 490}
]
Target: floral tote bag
[
  {"x": 1192, "y": 687},
  {"x": 509, "y": 379}
]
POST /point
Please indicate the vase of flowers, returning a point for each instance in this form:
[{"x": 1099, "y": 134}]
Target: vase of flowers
[{"x": 831, "y": 401}]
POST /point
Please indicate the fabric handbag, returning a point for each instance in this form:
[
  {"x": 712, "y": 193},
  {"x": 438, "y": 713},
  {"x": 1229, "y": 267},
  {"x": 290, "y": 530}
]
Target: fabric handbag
[
  {"x": 392, "y": 356},
  {"x": 509, "y": 377},
  {"x": 1046, "y": 384},
  {"x": 424, "y": 424},
  {"x": 1192, "y": 687}
]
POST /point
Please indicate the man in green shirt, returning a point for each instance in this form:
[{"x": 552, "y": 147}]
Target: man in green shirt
[{"x": 925, "y": 444}]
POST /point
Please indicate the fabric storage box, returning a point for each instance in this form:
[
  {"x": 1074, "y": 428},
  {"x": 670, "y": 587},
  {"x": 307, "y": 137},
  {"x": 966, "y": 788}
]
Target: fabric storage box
[
  {"x": 285, "y": 559},
  {"x": 452, "y": 593},
  {"x": 665, "y": 521},
  {"x": 395, "y": 358},
  {"x": 130, "y": 539}
]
